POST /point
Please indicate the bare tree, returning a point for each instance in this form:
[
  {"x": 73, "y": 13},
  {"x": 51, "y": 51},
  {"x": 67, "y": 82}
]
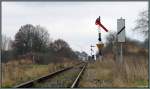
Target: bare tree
[
  {"x": 142, "y": 23},
  {"x": 111, "y": 44},
  {"x": 6, "y": 43},
  {"x": 41, "y": 38},
  {"x": 6, "y": 50},
  {"x": 30, "y": 38},
  {"x": 60, "y": 45},
  {"x": 62, "y": 49},
  {"x": 142, "y": 26},
  {"x": 110, "y": 40}
]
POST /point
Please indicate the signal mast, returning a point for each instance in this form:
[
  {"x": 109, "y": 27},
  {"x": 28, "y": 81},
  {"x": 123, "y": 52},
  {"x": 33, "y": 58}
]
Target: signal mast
[
  {"x": 92, "y": 56},
  {"x": 100, "y": 44}
]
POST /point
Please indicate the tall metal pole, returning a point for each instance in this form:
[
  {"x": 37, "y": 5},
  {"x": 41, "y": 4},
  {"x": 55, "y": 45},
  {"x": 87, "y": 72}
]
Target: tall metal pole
[
  {"x": 91, "y": 50},
  {"x": 92, "y": 56},
  {"x": 148, "y": 37},
  {"x": 100, "y": 42},
  {"x": 121, "y": 55}
]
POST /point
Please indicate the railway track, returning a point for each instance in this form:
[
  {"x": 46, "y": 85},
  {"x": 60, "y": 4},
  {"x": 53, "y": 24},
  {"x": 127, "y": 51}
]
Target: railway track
[
  {"x": 76, "y": 82},
  {"x": 75, "y": 72}
]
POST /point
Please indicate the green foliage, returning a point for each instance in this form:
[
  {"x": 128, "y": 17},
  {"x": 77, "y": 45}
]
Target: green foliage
[{"x": 141, "y": 82}]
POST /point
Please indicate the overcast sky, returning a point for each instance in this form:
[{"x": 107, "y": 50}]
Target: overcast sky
[{"x": 72, "y": 21}]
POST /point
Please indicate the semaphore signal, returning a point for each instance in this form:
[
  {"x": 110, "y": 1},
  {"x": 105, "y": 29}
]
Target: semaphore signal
[{"x": 100, "y": 44}]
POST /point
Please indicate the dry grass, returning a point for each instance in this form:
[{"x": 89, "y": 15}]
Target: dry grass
[
  {"x": 107, "y": 73},
  {"x": 16, "y": 72}
]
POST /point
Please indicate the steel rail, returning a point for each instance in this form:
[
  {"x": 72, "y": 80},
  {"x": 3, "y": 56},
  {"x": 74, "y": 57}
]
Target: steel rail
[
  {"x": 40, "y": 79},
  {"x": 76, "y": 81}
]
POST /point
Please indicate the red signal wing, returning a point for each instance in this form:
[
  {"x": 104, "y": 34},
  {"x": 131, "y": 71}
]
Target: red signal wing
[
  {"x": 98, "y": 22},
  {"x": 103, "y": 27}
]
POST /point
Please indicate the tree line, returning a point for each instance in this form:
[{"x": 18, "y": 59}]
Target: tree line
[{"x": 34, "y": 42}]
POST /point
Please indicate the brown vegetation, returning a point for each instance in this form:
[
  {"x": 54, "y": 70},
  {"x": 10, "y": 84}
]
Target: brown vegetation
[
  {"x": 16, "y": 72},
  {"x": 108, "y": 73},
  {"x": 133, "y": 72}
]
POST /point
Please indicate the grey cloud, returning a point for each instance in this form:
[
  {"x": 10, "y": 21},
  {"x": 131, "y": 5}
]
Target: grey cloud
[{"x": 72, "y": 21}]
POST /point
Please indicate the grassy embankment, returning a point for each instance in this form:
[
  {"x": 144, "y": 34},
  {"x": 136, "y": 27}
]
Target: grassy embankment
[
  {"x": 16, "y": 72},
  {"x": 108, "y": 73}
]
